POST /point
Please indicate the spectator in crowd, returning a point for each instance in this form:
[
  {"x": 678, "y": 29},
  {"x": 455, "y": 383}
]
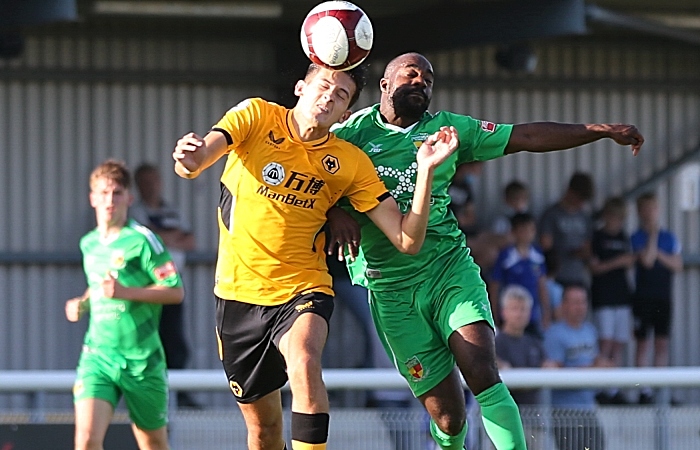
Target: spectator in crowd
[
  {"x": 555, "y": 289},
  {"x": 516, "y": 348},
  {"x": 522, "y": 263},
  {"x": 462, "y": 193},
  {"x": 611, "y": 257},
  {"x": 130, "y": 275},
  {"x": 566, "y": 228},
  {"x": 573, "y": 342},
  {"x": 165, "y": 219},
  {"x": 516, "y": 198},
  {"x": 658, "y": 256}
]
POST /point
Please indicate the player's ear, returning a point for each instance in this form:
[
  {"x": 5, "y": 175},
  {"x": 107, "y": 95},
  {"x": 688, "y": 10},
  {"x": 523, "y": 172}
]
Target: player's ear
[
  {"x": 384, "y": 85},
  {"x": 345, "y": 116},
  {"x": 299, "y": 87}
]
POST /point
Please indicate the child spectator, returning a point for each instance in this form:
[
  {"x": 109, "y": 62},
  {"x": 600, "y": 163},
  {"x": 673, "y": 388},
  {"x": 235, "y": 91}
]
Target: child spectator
[
  {"x": 516, "y": 200},
  {"x": 522, "y": 263},
  {"x": 611, "y": 257},
  {"x": 658, "y": 256}
]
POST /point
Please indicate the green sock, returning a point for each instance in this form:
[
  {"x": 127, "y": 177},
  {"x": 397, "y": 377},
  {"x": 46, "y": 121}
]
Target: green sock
[
  {"x": 501, "y": 418},
  {"x": 445, "y": 441}
]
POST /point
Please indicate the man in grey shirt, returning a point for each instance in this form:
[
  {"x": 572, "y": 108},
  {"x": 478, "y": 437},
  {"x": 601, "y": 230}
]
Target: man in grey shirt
[{"x": 566, "y": 229}]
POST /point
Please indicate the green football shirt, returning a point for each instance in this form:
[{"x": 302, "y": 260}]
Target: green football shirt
[
  {"x": 135, "y": 258},
  {"x": 393, "y": 152}
]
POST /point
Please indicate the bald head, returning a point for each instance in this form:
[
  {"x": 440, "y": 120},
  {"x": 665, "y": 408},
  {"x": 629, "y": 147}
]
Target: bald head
[
  {"x": 407, "y": 88},
  {"x": 411, "y": 58}
]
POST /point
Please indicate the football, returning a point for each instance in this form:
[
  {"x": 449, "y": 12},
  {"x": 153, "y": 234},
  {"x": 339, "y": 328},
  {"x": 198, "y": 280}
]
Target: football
[{"x": 337, "y": 35}]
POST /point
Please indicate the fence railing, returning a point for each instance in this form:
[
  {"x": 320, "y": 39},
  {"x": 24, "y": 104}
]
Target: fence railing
[{"x": 14, "y": 381}]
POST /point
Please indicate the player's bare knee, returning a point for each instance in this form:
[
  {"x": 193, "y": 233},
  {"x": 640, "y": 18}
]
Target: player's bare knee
[
  {"x": 451, "y": 422},
  {"x": 304, "y": 369}
]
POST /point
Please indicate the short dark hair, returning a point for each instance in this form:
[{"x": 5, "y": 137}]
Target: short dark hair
[
  {"x": 646, "y": 197},
  {"x": 581, "y": 184},
  {"x": 513, "y": 188},
  {"x": 614, "y": 206},
  {"x": 144, "y": 169},
  {"x": 358, "y": 75},
  {"x": 521, "y": 219}
]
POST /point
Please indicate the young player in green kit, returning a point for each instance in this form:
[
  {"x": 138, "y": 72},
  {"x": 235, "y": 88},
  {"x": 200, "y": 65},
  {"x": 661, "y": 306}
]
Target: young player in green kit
[
  {"x": 431, "y": 309},
  {"x": 130, "y": 275}
]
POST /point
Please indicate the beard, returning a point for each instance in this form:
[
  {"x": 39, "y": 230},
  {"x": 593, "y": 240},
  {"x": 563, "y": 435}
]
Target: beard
[{"x": 407, "y": 103}]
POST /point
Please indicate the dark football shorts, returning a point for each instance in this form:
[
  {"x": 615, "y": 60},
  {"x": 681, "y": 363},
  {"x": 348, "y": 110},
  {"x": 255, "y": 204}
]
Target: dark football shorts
[
  {"x": 248, "y": 339},
  {"x": 652, "y": 315}
]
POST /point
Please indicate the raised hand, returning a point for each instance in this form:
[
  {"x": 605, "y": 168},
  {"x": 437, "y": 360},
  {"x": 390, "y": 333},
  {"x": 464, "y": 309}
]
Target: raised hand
[
  {"x": 438, "y": 147},
  {"x": 190, "y": 152}
]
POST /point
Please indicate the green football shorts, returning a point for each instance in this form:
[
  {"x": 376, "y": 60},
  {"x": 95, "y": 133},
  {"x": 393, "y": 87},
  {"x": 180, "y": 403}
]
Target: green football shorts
[
  {"x": 145, "y": 391},
  {"x": 415, "y": 323}
]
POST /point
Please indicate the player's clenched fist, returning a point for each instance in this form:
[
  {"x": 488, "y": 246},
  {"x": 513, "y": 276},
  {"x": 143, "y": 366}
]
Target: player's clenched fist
[
  {"x": 75, "y": 308},
  {"x": 111, "y": 288},
  {"x": 189, "y": 152}
]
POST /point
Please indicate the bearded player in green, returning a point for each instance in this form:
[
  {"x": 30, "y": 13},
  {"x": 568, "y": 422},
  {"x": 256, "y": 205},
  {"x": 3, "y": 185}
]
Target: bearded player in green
[
  {"x": 431, "y": 310},
  {"x": 130, "y": 275}
]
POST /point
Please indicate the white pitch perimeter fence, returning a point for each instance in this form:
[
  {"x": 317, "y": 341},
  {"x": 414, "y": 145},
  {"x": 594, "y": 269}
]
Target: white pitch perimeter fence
[{"x": 654, "y": 427}]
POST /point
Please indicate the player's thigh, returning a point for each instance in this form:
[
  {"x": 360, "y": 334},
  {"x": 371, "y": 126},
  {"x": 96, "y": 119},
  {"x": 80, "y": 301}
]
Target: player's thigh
[
  {"x": 96, "y": 377},
  {"x": 151, "y": 439},
  {"x": 253, "y": 365},
  {"x": 410, "y": 337},
  {"x": 302, "y": 328},
  {"x": 92, "y": 418},
  {"x": 459, "y": 295},
  {"x": 146, "y": 396}
]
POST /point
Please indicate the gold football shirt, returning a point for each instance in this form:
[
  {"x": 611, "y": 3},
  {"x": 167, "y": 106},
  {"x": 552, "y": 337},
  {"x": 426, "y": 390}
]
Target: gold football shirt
[{"x": 275, "y": 191}]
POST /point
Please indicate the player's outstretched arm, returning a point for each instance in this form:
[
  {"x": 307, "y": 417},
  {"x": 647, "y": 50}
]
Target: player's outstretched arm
[
  {"x": 164, "y": 295},
  {"x": 407, "y": 232},
  {"x": 540, "y": 137},
  {"x": 193, "y": 154}
]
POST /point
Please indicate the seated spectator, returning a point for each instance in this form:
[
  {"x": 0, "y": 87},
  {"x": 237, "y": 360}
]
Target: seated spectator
[
  {"x": 515, "y": 348},
  {"x": 522, "y": 263},
  {"x": 611, "y": 257},
  {"x": 573, "y": 342},
  {"x": 516, "y": 198}
]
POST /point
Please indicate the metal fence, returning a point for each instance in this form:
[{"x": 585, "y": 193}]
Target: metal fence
[{"x": 653, "y": 427}]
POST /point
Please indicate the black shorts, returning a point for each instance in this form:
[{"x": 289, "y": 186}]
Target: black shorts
[
  {"x": 653, "y": 315},
  {"x": 249, "y": 337}
]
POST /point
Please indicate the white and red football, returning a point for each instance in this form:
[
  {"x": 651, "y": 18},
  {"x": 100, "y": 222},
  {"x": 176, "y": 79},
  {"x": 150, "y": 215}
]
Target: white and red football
[{"x": 337, "y": 35}]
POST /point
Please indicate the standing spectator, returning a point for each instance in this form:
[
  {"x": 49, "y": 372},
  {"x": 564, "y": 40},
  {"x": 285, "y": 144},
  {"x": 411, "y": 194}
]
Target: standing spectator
[
  {"x": 165, "y": 220},
  {"x": 573, "y": 342},
  {"x": 611, "y": 257},
  {"x": 522, "y": 264},
  {"x": 658, "y": 256},
  {"x": 566, "y": 228},
  {"x": 130, "y": 275},
  {"x": 516, "y": 198}
]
